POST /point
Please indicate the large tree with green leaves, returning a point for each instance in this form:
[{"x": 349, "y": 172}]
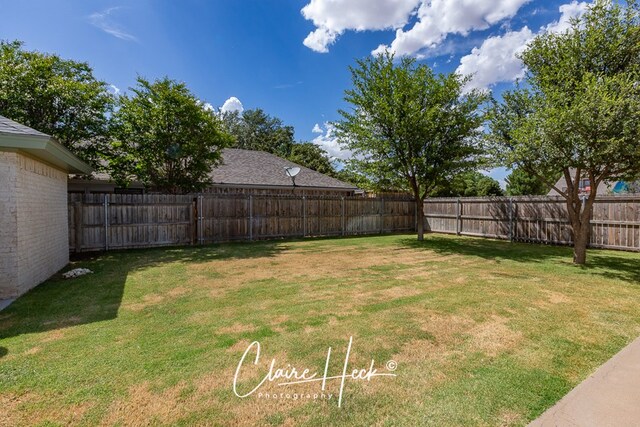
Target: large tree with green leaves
[
  {"x": 522, "y": 183},
  {"x": 408, "y": 127},
  {"x": 59, "y": 97},
  {"x": 579, "y": 109},
  {"x": 257, "y": 130},
  {"x": 311, "y": 156},
  {"x": 165, "y": 137},
  {"x": 468, "y": 184}
]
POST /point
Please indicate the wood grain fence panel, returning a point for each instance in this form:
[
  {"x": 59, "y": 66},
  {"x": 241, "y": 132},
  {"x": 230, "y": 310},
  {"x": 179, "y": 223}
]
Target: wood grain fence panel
[
  {"x": 106, "y": 222},
  {"x": 615, "y": 219}
]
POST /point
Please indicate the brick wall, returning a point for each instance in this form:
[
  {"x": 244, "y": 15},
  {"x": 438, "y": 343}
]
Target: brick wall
[
  {"x": 39, "y": 228},
  {"x": 8, "y": 225}
]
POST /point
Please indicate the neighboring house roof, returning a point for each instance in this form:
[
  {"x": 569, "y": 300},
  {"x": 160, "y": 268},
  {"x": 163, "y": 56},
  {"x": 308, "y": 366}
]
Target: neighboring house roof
[
  {"x": 17, "y": 137},
  {"x": 259, "y": 168},
  {"x": 605, "y": 188}
]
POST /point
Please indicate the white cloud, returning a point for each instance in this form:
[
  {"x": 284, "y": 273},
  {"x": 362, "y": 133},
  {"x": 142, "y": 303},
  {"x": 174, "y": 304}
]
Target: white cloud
[
  {"x": 317, "y": 129},
  {"x": 334, "y": 17},
  {"x": 567, "y": 13},
  {"x": 116, "y": 89},
  {"x": 438, "y": 18},
  {"x": 496, "y": 59},
  {"x": 231, "y": 105},
  {"x": 208, "y": 107},
  {"x": 104, "y": 21},
  {"x": 329, "y": 142}
]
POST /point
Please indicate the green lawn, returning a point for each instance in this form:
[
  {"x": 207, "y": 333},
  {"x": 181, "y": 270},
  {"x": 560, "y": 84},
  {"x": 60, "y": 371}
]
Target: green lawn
[{"x": 483, "y": 332}]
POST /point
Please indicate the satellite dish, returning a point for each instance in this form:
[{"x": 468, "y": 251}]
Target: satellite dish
[{"x": 292, "y": 171}]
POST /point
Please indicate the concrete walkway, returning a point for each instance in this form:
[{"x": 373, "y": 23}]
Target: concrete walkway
[{"x": 609, "y": 397}]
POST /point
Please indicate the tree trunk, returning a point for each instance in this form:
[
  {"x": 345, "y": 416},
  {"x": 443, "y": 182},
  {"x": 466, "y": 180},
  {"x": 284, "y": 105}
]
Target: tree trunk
[
  {"x": 581, "y": 229},
  {"x": 581, "y": 240},
  {"x": 420, "y": 218}
]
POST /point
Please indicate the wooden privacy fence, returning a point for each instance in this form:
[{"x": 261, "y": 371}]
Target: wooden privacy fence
[
  {"x": 122, "y": 221},
  {"x": 615, "y": 219}
]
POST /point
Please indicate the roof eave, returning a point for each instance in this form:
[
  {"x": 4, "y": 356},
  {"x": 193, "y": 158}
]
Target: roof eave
[{"x": 45, "y": 148}]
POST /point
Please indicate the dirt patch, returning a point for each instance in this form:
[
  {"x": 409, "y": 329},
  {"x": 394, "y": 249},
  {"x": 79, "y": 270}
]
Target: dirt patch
[
  {"x": 142, "y": 406},
  {"x": 494, "y": 336},
  {"x": 178, "y": 292},
  {"x": 147, "y": 301},
  {"x": 32, "y": 350},
  {"x": 53, "y": 335},
  {"x": 58, "y": 413},
  {"x": 552, "y": 298},
  {"x": 237, "y": 328},
  {"x": 239, "y": 347}
]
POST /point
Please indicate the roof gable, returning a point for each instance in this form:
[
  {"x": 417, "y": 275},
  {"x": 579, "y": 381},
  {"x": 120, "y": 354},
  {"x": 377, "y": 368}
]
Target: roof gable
[
  {"x": 20, "y": 138},
  {"x": 249, "y": 167}
]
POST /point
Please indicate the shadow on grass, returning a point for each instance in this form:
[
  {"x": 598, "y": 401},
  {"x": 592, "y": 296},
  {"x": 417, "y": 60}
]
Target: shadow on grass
[
  {"x": 59, "y": 303},
  {"x": 3, "y": 352},
  {"x": 608, "y": 263}
]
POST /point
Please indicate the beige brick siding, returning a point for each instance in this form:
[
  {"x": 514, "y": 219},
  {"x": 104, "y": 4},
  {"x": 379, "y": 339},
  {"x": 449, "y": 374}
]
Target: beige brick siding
[
  {"x": 40, "y": 240},
  {"x": 8, "y": 225}
]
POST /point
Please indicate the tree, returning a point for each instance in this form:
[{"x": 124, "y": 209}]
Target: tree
[
  {"x": 469, "y": 184},
  {"x": 522, "y": 183},
  {"x": 311, "y": 156},
  {"x": 579, "y": 112},
  {"x": 409, "y": 128},
  {"x": 165, "y": 137},
  {"x": 59, "y": 97},
  {"x": 256, "y": 130}
]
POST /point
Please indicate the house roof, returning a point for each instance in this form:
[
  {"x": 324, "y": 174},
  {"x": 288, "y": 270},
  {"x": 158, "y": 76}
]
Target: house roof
[
  {"x": 259, "y": 168},
  {"x": 17, "y": 137},
  {"x": 9, "y": 127}
]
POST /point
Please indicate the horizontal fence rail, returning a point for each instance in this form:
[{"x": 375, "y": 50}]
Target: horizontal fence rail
[
  {"x": 615, "y": 219},
  {"x": 122, "y": 221}
]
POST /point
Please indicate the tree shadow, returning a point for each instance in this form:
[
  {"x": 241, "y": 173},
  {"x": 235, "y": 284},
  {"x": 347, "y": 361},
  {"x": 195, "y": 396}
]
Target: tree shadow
[
  {"x": 3, "y": 352},
  {"x": 623, "y": 266},
  {"x": 59, "y": 303}
]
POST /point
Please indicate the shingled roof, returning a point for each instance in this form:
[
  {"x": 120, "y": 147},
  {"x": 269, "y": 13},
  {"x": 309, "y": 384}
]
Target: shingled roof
[
  {"x": 9, "y": 127},
  {"x": 14, "y": 136},
  {"x": 259, "y": 168}
]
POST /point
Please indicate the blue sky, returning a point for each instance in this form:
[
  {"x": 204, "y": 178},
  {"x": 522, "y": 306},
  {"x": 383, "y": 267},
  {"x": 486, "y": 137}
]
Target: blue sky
[{"x": 288, "y": 57}]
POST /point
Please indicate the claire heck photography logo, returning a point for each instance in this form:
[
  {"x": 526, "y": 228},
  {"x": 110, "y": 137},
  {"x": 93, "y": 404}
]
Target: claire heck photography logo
[{"x": 289, "y": 376}]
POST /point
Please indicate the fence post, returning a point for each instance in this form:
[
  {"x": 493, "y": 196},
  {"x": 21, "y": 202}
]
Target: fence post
[
  {"x": 192, "y": 223},
  {"x": 77, "y": 223},
  {"x": 415, "y": 214},
  {"x": 304, "y": 216},
  {"x": 510, "y": 219},
  {"x": 458, "y": 218},
  {"x": 250, "y": 216},
  {"x": 342, "y": 221},
  {"x": 106, "y": 222},
  {"x": 381, "y": 215},
  {"x": 200, "y": 219}
]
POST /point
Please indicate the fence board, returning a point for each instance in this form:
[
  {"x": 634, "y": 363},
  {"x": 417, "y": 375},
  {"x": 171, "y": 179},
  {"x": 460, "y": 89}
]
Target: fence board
[
  {"x": 121, "y": 221},
  {"x": 615, "y": 223}
]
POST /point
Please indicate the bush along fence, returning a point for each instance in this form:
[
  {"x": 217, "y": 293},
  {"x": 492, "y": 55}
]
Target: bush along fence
[
  {"x": 615, "y": 220},
  {"x": 123, "y": 221}
]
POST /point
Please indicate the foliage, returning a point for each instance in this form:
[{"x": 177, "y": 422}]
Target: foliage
[
  {"x": 409, "y": 128},
  {"x": 163, "y": 136},
  {"x": 469, "y": 184},
  {"x": 522, "y": 183},
  {"x": 312, "y": 156},
  {"x": 579, "y": 111},
  {"x": 59, "y": 97},
  {"x": 256, "y": 130}
]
